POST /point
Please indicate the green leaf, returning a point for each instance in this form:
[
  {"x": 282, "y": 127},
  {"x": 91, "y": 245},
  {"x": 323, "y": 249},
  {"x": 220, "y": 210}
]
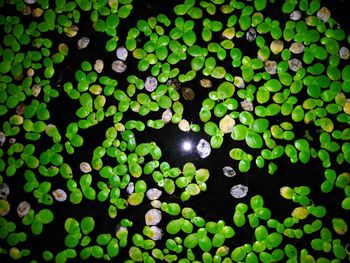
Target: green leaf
[
  {"x": 226, "y": 90},
  {"x": 273, "y": 85},
  {"x": 97, "y": 252},
  {"x": 45, "y": 216},
  {"x": 339, "y": 226},
  {"x": 76, "y": 196},
  {"x": 87, "y": 225},
  {"x": 211, "y": 128},
  {"x": 189, "y": 37},
  {"x": 260, "y": 125},
  {"x": 135, "y": 254},
  {"x": 85, "y": 5},
  {"x": 216, "y": 141},
  {"x": 37, "y": 226},
  {"x": 124, "y": 11},
  {"x": 173, "y": 227},
  {"x": 142, "y": 149},
  {"x": 113, "y": 248},
  {"x": 253, "y": 140},
  {"x": 239, "y": 132},
  {"x": 71, "y": 225},
  {"x": 72, "y": 240},
  {"x": 103, "y": 239}
]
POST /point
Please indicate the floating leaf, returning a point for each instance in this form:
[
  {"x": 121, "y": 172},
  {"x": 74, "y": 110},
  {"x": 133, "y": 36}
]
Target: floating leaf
[
  {"x": 113, "y": 248},
  {"x": 253, "y": 140},
  {"x": 135, "y": 254},
  {"x": 85, "y": 5},
  {"x": 327, "y": 124},
  {"x": 124, "y": 11},
  {"x": 76, "y": 196},
  {"x": 260, "y": 4},
  {"x": 339, "y": 226},
  {"x": 273, "y": 85},
  {"x": 300, "y": 213},
  {"x": 226, "y": 90},
  {"x": 45, "y": 216},
  {"x": 173, "y": 227},
  {"x": 189, "y": 37},
  {"x": 239, "y": 132},
  {"x": 71, "y": 225},
  {"x": 72, "y": 240},
  {"x": 87, "y": 225},
  {"x": 37, "y": 226},
  {"x": 97, "y": 252},
  {"x": 205, "y": 243},
  {"x": 135, "y": 199}
]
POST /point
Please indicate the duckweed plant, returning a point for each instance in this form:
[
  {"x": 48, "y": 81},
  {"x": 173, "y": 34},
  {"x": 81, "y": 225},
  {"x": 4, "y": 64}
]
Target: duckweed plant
[{"x": 272, "y": 79}]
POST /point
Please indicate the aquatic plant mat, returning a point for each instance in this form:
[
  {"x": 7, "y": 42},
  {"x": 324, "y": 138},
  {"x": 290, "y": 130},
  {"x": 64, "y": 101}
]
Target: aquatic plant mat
[{"x": 174, "y": 131}]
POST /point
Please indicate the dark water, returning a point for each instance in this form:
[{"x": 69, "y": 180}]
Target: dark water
[{"x": 214, "y": 204}]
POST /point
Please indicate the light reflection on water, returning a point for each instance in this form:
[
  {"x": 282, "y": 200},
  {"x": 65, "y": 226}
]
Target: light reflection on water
[
  {"x": 193, "y": 147},
  {"x": 186, "y": 145},
  {"x": 180, "y": 147}
]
